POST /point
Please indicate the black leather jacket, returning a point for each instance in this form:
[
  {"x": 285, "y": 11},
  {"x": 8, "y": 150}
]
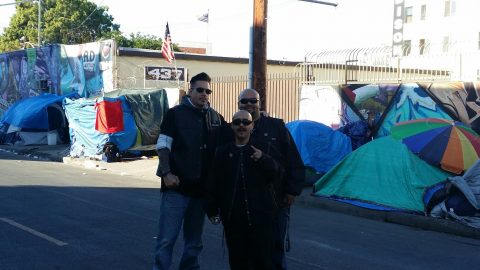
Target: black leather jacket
[
  {"x": 272, "y": 133},
  {"x": 240, "y": 187},
  {"x": 196, "y": 133}
]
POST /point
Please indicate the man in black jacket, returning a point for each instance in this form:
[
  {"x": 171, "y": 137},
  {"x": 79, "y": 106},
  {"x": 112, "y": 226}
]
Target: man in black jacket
[
  {"x": 189, "y": 135},
  {"x": 240, "y": 192},
  {"x": 272, "y": 134}
]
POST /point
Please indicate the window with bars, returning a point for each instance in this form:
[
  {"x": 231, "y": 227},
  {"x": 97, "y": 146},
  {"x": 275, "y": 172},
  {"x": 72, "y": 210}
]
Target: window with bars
[
  {"x": 446, "y": 43},
  {"x": 407, "y": 47},
  {"x": 422, "y": 43},
  {"x": 423, "y": 12},
  {"x": 408, "y": 14},
  {"x": 450, "y": 8}
]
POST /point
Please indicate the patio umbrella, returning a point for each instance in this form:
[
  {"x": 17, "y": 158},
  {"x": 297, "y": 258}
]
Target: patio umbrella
[{"x": 449, "y": 144}]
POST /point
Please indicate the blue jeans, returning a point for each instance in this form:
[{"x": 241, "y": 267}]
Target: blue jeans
[
  {"x": 176, "y": 208},
  {"x": 280, "y": 232}
]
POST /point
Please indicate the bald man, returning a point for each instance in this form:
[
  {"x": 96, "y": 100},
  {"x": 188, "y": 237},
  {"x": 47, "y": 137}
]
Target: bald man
[
  {"x": 271, "y": 134},
  {"x": 239, "y": 193}
]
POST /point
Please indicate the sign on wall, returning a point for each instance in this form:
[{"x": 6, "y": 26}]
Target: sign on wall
[
  {"x": 397, "y": 40},
  {"x": 164, "y": 73}
]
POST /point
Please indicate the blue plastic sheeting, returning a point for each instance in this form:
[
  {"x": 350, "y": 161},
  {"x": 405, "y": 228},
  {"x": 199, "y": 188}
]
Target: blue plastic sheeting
[
  {"x": 430, "y": 191},
  {"x": 86, "y": 140},
  {"x": 367, "y": 205},
  {"x": 31, "y": 112},
  {"x": 320, "y": 146}
]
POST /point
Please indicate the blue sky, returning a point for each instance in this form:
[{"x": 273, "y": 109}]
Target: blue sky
[{"x": 294, "y": 28}]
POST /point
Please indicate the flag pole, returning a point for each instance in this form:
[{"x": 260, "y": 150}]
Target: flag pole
[
  {"x": 175, "y": 63},
  {"x": 208, "y": 26},
  {"x": 168, "y": 53},
  {"x": 176, "y": 72}
]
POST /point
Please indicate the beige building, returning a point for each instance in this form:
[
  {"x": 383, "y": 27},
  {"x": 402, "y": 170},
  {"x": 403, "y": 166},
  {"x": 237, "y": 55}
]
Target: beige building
[{"x": 147, "y": 69}]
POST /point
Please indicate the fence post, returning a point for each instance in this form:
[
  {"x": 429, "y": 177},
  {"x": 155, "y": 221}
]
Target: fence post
[{"x": 399, "y": 70}]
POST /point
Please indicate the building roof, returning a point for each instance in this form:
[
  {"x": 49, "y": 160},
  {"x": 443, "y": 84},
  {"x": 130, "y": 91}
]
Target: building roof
[{"x": 124, "y": 51}]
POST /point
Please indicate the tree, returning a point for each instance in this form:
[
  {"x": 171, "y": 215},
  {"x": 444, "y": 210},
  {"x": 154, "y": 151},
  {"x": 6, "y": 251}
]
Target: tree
[
  {"x": 70, "y": 22},
  {"x": 63, "y": 21},
  {"x": 142, "y": 41}
]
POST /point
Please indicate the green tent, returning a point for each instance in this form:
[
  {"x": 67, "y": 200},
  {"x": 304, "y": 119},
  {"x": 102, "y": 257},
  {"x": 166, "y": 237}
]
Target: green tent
[{"x": 383, "y": 172}]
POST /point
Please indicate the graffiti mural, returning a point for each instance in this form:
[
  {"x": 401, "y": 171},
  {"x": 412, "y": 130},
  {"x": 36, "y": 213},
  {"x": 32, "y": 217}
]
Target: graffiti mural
[
  {"x": 85, "y": 69},
  {"x": 459, "y": 99},
  {"x": 383, "y": 106},
  {"x": 366, "y": 102},
  {"x": 411, "y": 102},
  {"x": 27, "y": 73}
]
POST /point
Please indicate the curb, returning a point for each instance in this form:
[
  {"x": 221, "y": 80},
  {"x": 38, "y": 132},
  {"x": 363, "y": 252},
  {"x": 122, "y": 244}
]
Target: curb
[
  {"x": 55, "y": 157},
  {"x": 411, "y": 220}
]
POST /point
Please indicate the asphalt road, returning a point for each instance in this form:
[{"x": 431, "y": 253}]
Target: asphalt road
[{"x": 55, "y": 216}]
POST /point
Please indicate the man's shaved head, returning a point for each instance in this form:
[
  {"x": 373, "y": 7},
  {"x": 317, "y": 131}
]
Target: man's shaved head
[
  {"x": 248, "y": 92},
  {"x": 249, "y": 100}
]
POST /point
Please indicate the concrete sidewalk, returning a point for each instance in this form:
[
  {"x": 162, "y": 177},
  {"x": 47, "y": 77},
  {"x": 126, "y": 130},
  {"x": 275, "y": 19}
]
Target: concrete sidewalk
[{"x": 144, "y": 168}]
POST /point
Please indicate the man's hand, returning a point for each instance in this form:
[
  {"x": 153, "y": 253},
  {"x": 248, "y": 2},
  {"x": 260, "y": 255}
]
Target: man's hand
[
  {"x": 257, "y": 154},
  {"x": 171, "y": 180},
  {"x": 289, "y": 199}
]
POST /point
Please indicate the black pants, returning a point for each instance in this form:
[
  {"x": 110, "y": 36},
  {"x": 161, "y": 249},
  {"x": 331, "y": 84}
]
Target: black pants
[{"x": 250, "y": 247}]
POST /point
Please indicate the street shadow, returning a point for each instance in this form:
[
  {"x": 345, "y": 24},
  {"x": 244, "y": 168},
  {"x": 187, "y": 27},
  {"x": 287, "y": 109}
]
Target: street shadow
[{"x": 102, "y": 228}]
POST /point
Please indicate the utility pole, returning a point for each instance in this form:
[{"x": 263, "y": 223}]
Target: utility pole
[
  {"x": 258, "y": 48},
  {"x": 259, "y": 58},
  {"x": 39, "y": 23}
]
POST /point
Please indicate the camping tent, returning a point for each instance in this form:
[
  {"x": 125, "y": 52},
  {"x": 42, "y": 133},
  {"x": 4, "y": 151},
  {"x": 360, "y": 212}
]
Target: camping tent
[
  {"x": 457, "y": 198},
  {"x": 148, "y": 108},
  {"x": 86, "y": 140},
  {"x": 320, "y": 146},
  {"x": 142, "y": 115},
  {"x": 32, "y": 119},
  {"x": 384, "y": 174}
]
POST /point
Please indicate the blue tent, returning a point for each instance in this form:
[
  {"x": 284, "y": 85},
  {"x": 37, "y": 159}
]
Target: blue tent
[
  {"x": 32, "y": 113},
  {"x": 320, "y": 146},
  {"x": 86, "y": 140}
]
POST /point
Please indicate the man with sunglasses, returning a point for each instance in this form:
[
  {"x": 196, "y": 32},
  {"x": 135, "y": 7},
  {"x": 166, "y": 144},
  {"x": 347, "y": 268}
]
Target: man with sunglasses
[
  {"x": 189, "y": 135},
  {"x": 272, "y": 134},
  {"x": 239, "y": 194}
]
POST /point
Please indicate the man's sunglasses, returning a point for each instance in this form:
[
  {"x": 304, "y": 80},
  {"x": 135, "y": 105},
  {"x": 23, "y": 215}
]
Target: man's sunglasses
[
  {"x": 238, "y": 121},
  {"x": 201, "y": 90},
  {"x": 249, "y": 100}
]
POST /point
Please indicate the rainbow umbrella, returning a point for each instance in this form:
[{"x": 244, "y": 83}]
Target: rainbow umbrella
[{"x": 449, "y": 144}]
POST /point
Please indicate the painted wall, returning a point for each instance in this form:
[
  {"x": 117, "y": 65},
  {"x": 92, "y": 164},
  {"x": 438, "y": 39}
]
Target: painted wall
[
  {"x": 85, "y": 69},
  {"x": 384, "y": 105}
]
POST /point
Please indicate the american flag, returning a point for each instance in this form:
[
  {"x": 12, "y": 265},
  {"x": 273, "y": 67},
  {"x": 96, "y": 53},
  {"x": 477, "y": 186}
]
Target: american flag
[{"x": 167, "y": 51}]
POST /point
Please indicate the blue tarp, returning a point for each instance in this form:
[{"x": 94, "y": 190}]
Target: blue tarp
[
  {"x": 31, "y": 112},
  {"x": 86, "y": 141},
  {"x": 320, "y": 146}
]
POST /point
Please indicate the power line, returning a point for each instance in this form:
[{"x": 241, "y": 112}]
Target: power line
[
  {"x": 320, "y": 2},
  {"x": 16, "y": 3},
  {"x": 72, "y": 29}
]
